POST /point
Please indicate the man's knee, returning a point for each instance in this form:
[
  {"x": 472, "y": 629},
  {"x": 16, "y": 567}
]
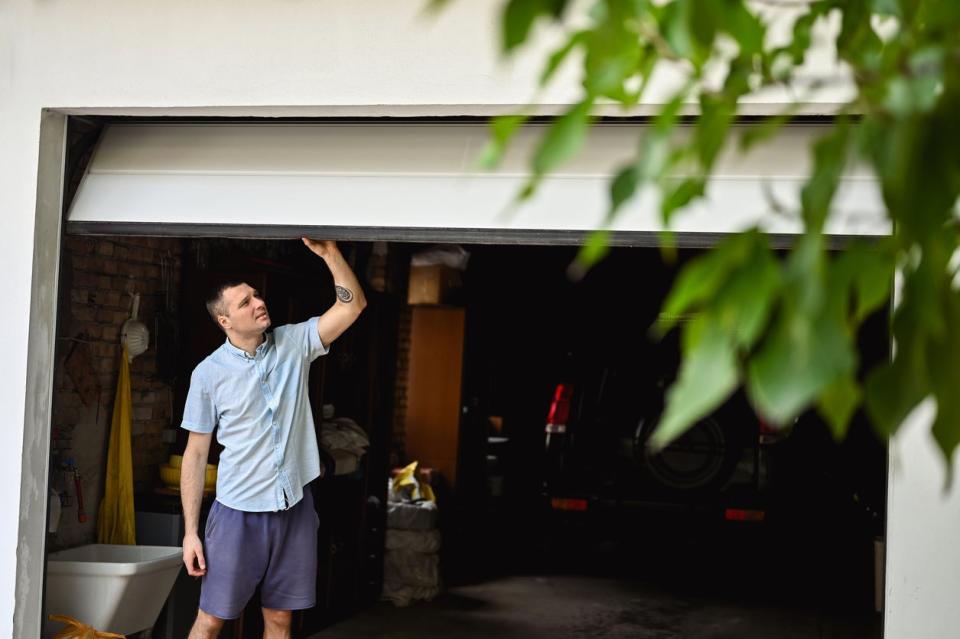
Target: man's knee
[
  {"x": 277, "y": 618},
  {"x": 206, "y": 625}
]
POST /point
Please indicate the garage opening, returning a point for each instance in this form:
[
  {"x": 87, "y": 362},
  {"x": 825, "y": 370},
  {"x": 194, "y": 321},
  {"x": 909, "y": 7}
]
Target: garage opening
[
  {"x": 526, "y": 399},
  {"x": 737, "y": 526}
]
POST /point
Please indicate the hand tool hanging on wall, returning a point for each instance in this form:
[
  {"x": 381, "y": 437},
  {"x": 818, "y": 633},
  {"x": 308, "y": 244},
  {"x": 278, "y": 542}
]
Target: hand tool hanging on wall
[{"x": 81, "y": 513}]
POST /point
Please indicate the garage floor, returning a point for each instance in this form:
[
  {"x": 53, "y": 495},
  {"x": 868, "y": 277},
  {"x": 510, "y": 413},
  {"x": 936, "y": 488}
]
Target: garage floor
[{"x": 558, "y": 607}]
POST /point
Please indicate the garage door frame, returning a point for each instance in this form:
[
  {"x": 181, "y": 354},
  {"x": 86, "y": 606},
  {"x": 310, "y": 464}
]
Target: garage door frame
[{"x": 41, "y": 349}]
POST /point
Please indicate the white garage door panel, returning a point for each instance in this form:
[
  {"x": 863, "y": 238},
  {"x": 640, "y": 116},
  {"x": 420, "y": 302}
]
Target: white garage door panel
[{"x": 420, "y": 176}]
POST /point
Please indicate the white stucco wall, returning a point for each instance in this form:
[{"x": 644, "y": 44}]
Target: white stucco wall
[
  {"x": 289, "y": 58},
  {"x": 923, "y": 535}
]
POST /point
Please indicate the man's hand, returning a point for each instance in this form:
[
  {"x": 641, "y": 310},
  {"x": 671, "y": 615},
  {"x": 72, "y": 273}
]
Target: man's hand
[
  {"x": 323, "y": 248},
  {"x": 350, "y": 299},
  {"x": 193, "y": 556}
]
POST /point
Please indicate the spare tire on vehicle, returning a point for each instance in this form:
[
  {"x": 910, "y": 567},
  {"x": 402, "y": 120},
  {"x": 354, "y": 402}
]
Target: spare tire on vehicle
[{"x": 702, "y": 460}]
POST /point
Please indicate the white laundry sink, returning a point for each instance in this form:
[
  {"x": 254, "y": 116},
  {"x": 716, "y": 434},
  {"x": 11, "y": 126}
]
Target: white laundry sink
[{"x": 110, "y": 587}]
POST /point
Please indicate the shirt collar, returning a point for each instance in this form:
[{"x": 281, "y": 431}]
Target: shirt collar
[{"x": 239, "y": 352}]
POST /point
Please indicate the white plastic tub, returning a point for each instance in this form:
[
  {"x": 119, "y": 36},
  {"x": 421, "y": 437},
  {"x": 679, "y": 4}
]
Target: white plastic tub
[{"x": 112, "y": 588}]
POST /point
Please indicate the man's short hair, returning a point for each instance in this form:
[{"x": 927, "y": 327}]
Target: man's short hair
[{"x": 215, "y": 304}]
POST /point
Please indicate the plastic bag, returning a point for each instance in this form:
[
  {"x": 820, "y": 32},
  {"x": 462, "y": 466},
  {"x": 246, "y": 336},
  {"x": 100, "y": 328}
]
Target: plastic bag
[
  {"x": 451, "y": 255},
  {"x": 421, "y": 515},
  {"x": 401, "y": 594},
  {"x": 426, "y": 541},
  {"x": 411, "y": 568},
  {"x": 79, "y": 630},
  {"x": 406, "y": 487}
]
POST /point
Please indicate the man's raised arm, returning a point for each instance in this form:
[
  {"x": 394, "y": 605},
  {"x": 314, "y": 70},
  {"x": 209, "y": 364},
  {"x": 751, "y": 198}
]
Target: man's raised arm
[{"x": 350, "y": 299}]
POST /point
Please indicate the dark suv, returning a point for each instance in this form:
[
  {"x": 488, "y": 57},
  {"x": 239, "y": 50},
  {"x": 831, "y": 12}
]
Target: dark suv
[{"x": 597, "y": 461}]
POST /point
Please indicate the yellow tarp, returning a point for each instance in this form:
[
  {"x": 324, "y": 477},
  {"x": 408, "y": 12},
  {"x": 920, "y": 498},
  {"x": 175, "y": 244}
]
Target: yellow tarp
[{"x": 115, "y": 525}]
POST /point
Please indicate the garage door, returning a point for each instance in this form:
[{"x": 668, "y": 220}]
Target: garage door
[{"x": 420, "y": 181}]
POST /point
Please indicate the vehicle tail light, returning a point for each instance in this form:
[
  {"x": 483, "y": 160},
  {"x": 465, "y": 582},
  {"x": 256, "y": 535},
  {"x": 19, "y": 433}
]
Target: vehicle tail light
[
  {"x": 740, "y": 514},
  {"x": 765, "y": 428},
  {"x": 561, "y": 503},
  {"x": 559, "y": 409}
]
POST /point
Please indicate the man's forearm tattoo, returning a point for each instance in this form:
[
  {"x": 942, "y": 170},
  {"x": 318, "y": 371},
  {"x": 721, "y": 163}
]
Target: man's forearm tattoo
[{"x": 344, "y": 294}]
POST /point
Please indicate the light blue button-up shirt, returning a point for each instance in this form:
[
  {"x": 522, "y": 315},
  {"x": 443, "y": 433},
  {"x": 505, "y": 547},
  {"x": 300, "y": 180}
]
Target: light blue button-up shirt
[{"x": 261, "y": 410}]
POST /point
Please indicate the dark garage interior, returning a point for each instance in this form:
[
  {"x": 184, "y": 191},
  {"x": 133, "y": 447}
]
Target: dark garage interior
[
  {"x": 526, "y": 398},
  {"x": 739, "y": 529}
]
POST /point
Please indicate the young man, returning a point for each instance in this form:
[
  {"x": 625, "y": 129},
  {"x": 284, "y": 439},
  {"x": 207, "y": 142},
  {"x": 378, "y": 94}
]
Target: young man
[{"x": 262, "y": 528}]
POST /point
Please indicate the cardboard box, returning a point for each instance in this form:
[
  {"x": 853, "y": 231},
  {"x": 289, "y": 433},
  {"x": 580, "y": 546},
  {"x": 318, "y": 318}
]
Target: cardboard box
[{"x": 432, "y": 284}]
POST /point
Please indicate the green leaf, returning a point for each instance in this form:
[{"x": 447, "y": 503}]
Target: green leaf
[
  {"x": 838, "y": 403},
  {"x": 796, "y": 363},
  {"x": 920, "y": 88},
  {"x": 436, "y": 6},
  {"x": 612, "y": 54},
  {"x": 896, "y": 388},
  {"x": 558, "y": 56},
  {"x": 716, "y": 114},
  {"x": 563, "y": 139},
  {"x": 926, "y": 91},
  {"x": 646, "y": 63},
  {"x": 744, "y": 304},
  {"x": 804, "y": 275},
  {"x": 860, "y": 281},
  {"x": 892, "y": 391},
  {"x": 590, "y": 254},
  {"x": 829, "y": 160},
  {"x": 518, "y": 18},
  {"x": 668, "y": 245},
  {"x": 873, "y": 279},
  {"x": 656, "y": 156},
  {"x": 708, "y": 375},
  {"x": 803, "y": 30},
  {"x": 899, "y": 100},
  {"x": 944, "y": 358},
  {"x": 700, "y": 280},
  {"x": 666, "y": 119},
  {"x": 763, "y": 131},
  {"x": 556, "y": 8},
  {"x": 886, "y": 7},
  {"x": 675, "y": 25},
  {"x": 682, "y": 194},
  {"x": 857, "y": 42},
  {"x": 704, "y": 22},
  {"x": 919, "y": 312},
  {"x": 502, "y": 129},
  {"x": 743, "y": 26},
  {"x": 622, "y": 188}
]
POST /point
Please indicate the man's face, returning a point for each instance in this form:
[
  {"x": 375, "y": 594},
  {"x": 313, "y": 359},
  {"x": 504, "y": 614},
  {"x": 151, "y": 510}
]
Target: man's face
[{"x": 246, "y": 311}]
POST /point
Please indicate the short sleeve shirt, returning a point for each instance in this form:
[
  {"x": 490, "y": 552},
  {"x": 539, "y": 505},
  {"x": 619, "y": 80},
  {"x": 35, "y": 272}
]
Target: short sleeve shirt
[{"x": 260, "y": 407}]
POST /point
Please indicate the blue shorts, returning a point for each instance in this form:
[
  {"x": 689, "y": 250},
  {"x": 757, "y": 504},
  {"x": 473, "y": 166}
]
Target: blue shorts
[{"x": 276, "y": 550}]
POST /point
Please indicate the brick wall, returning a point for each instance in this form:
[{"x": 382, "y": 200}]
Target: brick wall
[
  {"x": 397, "y": 439},
  {"x": 99, "y": 276}
]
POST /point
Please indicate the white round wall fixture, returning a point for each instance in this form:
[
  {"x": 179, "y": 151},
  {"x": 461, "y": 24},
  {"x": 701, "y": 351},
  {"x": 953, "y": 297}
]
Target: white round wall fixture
[{"x": 134, "y": 333}]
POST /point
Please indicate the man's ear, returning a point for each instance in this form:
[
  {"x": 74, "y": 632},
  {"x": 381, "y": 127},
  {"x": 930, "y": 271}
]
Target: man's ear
[{"x": 223, "y": 321}]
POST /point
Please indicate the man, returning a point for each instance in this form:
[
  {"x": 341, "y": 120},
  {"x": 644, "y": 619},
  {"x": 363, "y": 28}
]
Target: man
[{"x": 261, "y": 530}]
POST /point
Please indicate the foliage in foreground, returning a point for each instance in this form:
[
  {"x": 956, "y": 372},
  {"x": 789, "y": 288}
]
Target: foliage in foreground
[{"x": 784, "y": 328}]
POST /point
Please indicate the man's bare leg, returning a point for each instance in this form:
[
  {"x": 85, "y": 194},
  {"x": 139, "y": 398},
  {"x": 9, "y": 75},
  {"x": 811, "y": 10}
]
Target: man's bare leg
[
  {"x": 276, "y": 623},
  {"x": 206, "y": 626}
]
